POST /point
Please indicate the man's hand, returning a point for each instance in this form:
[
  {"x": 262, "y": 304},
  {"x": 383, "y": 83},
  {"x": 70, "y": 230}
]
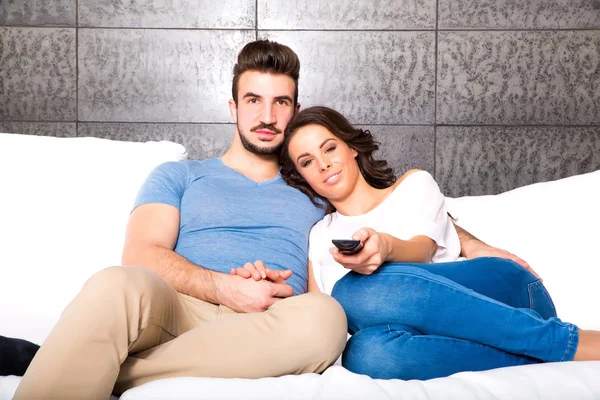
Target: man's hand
[
  {"x": 256, "y": 287},
  {"x": 471, "y": 247},
  {"x": 374, "y": 252},
  {"x": 259, "y": 271},
  {"x": 485, "y": 250},
  {"x": 247, "y": 295}
]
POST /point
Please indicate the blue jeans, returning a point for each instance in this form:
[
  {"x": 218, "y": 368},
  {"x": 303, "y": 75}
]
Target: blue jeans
[{"x": 423, "y": 321}]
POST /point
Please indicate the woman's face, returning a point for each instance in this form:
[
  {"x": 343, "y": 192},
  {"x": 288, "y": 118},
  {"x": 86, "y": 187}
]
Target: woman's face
[{"x": 326, "y": 162}]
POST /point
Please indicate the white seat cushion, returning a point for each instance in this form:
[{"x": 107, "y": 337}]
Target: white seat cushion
[{"x": 557, "y": 381}]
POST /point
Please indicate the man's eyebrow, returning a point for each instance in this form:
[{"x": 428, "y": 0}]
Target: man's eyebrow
[
  {"x": 288, "y": 98},
  {"x": 321, "y": 146},
  {"x": 284, "y": 97},
  {"x": 250, "y": 94}
]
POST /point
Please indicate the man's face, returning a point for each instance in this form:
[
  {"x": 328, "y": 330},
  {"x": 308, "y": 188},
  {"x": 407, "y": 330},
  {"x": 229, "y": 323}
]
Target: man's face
[{"x": 265, "y": 105}]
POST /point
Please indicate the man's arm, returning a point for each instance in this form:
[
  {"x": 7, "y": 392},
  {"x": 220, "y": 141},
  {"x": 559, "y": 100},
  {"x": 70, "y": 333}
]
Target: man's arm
[
  {"x": 471, "y": 247},
  {"x": 467, "y": 241},
  {"x": 150, "y": 238}
]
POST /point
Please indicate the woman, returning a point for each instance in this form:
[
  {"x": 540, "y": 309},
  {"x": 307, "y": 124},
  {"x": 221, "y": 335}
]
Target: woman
[{"x": 414, "y": 311}]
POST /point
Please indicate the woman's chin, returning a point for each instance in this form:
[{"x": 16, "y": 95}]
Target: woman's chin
[{"x": 332, "y": 194}]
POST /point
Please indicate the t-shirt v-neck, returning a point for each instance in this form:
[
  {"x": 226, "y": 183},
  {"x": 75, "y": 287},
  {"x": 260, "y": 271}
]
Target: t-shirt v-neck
[{"x": 243, "y": 177}]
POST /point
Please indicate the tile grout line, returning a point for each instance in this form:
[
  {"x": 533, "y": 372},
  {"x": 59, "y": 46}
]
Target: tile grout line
[
  {"x": 466, "y": 125},
  {"x": 596, "y": 29},
  {"x": 76, "y": 68},
  {"x": 435, "y": 86}
]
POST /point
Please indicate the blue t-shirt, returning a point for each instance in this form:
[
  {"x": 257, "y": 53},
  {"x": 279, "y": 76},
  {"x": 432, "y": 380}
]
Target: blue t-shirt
[{"x": 227, "y": 219}]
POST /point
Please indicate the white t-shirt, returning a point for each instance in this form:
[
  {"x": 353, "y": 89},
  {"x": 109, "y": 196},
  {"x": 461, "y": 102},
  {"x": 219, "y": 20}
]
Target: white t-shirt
[{"x": 415, "y": 207}]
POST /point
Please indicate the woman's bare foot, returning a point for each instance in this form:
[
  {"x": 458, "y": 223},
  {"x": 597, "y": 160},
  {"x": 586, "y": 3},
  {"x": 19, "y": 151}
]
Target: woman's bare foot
[{"x": 589, "y": 346}]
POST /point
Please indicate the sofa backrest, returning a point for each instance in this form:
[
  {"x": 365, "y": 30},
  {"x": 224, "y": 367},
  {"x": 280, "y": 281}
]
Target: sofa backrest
[
  {"x": 554, "y": 226},
  {"x": 64, "y": 205},
  {"x": 65, "y": 202}
]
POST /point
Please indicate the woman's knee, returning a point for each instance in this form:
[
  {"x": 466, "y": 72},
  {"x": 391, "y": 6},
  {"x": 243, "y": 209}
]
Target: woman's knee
[
  {"x": 367, "y": 299},
  {"x": 509, "y": 269},
  {"x": 378, "y": 352},
  {"x": 359, "y": 294}
]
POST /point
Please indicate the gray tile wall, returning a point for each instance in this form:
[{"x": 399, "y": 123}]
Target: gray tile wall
[{"x": 487, "y": 95}]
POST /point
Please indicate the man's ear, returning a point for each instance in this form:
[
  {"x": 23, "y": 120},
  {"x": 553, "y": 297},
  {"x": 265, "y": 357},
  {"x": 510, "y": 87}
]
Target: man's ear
[
  {"x": 233, "y": 110},
  {"x": 297, "y": 108}
]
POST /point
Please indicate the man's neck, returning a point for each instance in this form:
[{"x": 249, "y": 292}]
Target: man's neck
[{"x": 259, "y": 168}]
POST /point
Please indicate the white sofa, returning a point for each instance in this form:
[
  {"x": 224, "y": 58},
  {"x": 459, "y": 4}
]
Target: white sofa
[{"x": 64, "y": 204}]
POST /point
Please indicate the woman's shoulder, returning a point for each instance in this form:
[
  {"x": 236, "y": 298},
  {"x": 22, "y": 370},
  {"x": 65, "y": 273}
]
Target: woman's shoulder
[
  {"x": 321, "y": 225},
  {"x": 417, "y": 176},
  {"x": 415, "y": 187},
  {"x": 407, "y": 174}
]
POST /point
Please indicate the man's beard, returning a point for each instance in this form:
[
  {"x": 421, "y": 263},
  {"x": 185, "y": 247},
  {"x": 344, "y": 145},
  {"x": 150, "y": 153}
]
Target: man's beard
[{"x": 260, "y": 151}]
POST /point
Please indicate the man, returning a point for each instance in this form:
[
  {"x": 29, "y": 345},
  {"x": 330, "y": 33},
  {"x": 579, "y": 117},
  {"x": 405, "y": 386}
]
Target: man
[{"x": 179, "y": 312}]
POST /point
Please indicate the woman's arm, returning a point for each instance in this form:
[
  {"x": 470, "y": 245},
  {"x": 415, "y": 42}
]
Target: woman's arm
[
  {"x": 426, "y": 227},
  {"x": 419, "y": 249},
  {"x": 380, "y": 247}
]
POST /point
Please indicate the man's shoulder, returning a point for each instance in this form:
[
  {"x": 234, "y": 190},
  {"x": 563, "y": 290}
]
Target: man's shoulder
[
  {"x": 205, "y": 163},
  {"x": 196, "y": 167},
  {"x": 292, "y": 192}
]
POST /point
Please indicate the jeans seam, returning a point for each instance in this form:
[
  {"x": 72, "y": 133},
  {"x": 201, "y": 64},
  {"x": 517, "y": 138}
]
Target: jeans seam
[
  {"x": 433, "y": 338},
  {"x": 544, "y": 292},
  {"x": 531, "y": 297},
  {"x": 571, "y": 337}
]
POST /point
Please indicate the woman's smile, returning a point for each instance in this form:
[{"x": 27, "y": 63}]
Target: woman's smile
[{"x": 333, "y": 179}]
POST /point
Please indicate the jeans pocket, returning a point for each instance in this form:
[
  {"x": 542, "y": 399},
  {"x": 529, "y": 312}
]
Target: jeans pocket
[{"x": 540, "y": 300}]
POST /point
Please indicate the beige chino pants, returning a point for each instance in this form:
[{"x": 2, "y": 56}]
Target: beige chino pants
[{"x": 128, "y": 326}]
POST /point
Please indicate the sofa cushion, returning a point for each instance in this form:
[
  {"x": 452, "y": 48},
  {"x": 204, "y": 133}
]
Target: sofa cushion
[
  {"x": 557, "y": 381},
  {"x": 554, "y": 227},
  {"x": 64, "y": 206}
]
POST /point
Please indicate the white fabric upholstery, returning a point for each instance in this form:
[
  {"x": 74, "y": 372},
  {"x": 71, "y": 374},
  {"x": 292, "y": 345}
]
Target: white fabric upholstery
[
  {"x": 557, "y": 381},
  {"x": 63, "y": 211},
  {"x": 64, "y": 205},
  {"x": 554, "y": 227}
]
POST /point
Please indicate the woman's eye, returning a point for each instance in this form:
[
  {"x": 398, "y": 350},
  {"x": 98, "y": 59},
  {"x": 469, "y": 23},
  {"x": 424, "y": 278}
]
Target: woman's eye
[
  {"x": 330, "y": 149},
  {"x": 306, "y": 163}
]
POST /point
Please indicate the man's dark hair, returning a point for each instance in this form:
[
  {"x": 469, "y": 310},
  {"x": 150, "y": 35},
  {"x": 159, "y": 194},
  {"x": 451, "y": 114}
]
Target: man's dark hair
[
  {"x": 269, "y": 57},
  {"x": 377, "y": 173}
]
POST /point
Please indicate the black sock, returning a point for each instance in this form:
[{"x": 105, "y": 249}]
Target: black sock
[{"x": 16, "y": 355}]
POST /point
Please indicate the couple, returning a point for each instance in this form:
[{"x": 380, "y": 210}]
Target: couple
[{"x": 216, "y": 274}]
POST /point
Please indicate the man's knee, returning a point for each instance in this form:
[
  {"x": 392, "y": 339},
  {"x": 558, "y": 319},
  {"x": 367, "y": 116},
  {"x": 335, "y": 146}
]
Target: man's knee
[
  {"x": 319, "y": 325},
  {"x": 111, "y": 282}
]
